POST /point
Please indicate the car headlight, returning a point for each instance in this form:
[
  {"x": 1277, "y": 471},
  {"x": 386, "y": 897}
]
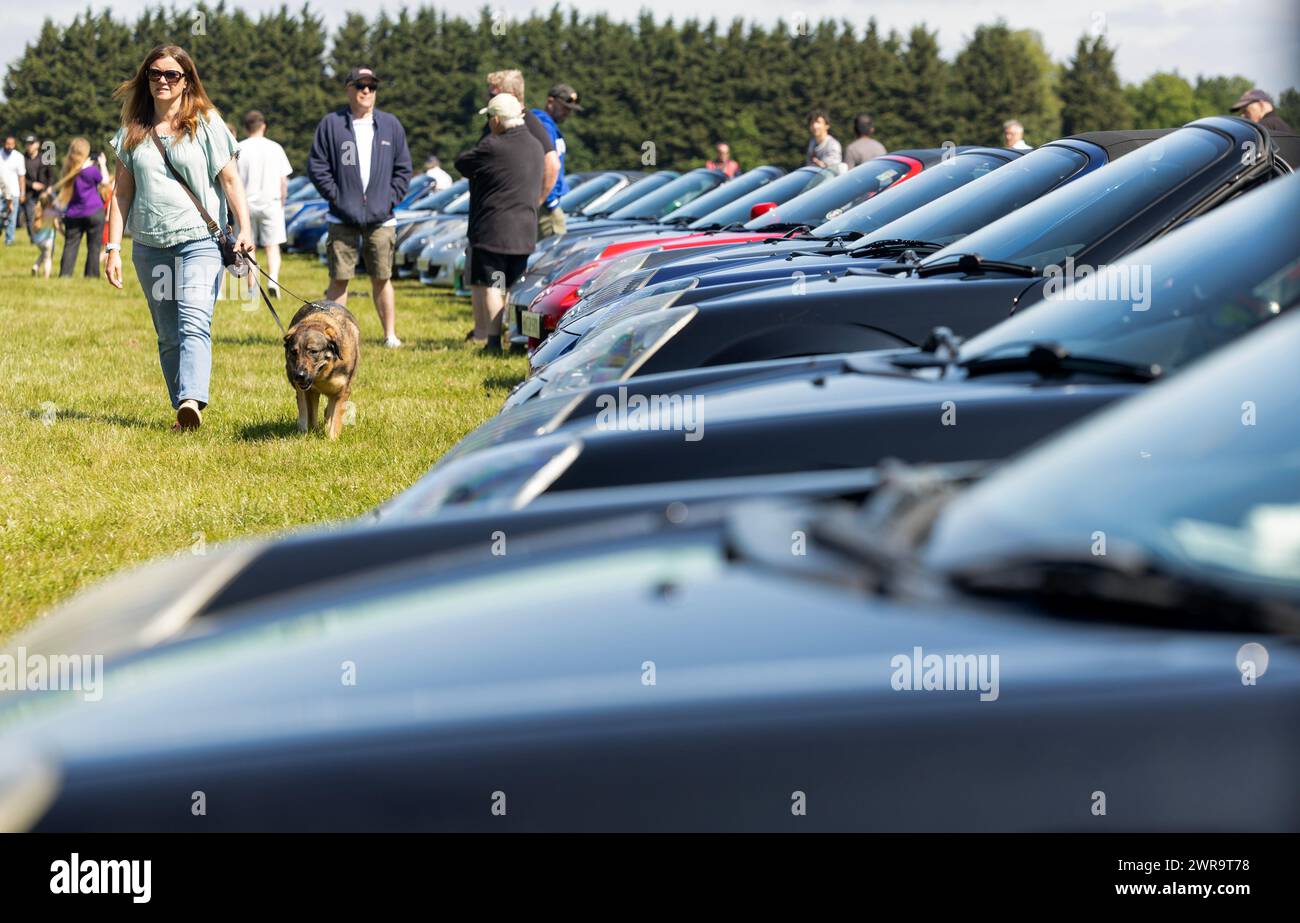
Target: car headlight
[
  {"x": 505, "y": 478},
  {"x": 617, "y": 351},
  {"x": 638, "y": 301},
  {"x": 613, "y": 270}
]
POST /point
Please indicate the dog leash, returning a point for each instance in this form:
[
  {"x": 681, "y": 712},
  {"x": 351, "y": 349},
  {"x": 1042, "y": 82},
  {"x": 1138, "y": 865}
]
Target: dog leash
[{"x": 262, "y": 291}]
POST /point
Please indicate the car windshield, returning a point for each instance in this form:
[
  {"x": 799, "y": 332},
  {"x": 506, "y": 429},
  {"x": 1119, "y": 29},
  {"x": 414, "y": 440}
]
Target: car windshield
[
  {"x": 1199, "y": 476},
  {"x": 436, "y": 200},
  {"x": 582, "y": 195},
  {"x": 1173, "y": 300},
  {"x": 987, "y": 199},
  {"x": 905, "y": 198},
  {"x": 1045, "y": 232},
  {"x": 816, "y": 206},
  {"x": 629, "y": 195},
  {"x": 419, "y": 184},
  {"x": 779, "y": 190},
  {"x": 674, "y": 195},
  {"x": 726, "y": 192}
]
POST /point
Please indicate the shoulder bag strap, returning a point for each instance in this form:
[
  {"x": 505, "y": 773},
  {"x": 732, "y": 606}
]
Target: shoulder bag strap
[{"x": 213, "y": 229}]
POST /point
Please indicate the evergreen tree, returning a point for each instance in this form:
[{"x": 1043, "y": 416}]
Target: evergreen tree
[
  {"x": 916, "y": 111},
  {"x": 679, "y": 86},
  {"x": 1002, "y": 75},
  {"x": 1092, "y": 98}
]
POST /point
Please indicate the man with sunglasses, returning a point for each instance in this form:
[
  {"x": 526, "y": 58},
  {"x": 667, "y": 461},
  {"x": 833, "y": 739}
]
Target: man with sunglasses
[
  {"x": 560, "y": 103},
  {"x": 360, "y": 164}
]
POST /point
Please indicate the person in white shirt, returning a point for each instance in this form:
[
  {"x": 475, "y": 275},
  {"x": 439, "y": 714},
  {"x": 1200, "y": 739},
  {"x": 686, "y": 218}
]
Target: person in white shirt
[
  {"x": 265, "y": 170},
  {"x": 361, "y": 166},
  {"x": 13, "y": 179},
  {"x": 433, "y": 169},
  {"x": 1013, "y": 133}
]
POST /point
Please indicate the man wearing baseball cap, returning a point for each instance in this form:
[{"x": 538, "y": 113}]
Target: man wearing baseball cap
[
  {"x": 360, "y": 164},
  {"x": 1257, "y": 106},
  {"x": 40, "y": 177},
  {"x": 560, "y": 102},
  {"x": 504, "y": 171}
]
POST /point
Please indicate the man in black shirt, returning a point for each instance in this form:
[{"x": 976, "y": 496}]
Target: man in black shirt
[
  {"x": 1257, "y": 106},
  {"x": 505, "y": 172},
  {"x": 512, "y": 82},
  {"x": 40, "y": 177}
]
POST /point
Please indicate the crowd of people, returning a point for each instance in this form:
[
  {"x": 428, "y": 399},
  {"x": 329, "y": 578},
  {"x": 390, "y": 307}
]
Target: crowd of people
[
  {"x": 178, "y": 163},
  {"x": 824, "y": 150}
]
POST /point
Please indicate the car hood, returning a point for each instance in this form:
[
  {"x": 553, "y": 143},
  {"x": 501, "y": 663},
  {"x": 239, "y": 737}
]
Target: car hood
[
  {"x": 876, "y": 386},
  {"x": 472, "y": 653}
]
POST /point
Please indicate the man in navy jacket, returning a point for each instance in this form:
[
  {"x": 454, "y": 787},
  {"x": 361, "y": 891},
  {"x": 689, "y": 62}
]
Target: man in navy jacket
[{"x": 360, "y": 164}]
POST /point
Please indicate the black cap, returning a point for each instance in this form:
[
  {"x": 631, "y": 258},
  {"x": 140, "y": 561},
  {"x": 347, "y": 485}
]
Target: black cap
[
  {"x": 565, "y": 95},
  {"x": 29, "y": 139},
  {"x": 361, "y": 73}
]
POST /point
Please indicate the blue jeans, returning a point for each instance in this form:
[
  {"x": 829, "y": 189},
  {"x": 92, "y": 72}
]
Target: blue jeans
[
  {"x": 11, "y": 208},
  {"x": 181, "y": 284}
]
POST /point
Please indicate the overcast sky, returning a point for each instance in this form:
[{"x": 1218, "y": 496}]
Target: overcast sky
[{"x": 1260, "y": 40}]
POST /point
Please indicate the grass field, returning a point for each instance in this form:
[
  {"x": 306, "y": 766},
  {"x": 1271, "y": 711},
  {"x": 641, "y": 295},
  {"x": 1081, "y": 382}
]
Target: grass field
[{"x": 92, "y": 479}]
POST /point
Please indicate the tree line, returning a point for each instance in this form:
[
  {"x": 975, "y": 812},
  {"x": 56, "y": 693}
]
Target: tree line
[{"x": 654, "y": 92}]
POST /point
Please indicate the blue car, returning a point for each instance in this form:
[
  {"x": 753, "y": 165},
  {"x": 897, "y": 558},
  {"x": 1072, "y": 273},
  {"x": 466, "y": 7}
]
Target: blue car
[
  {"x": 943, "y": 204},
  {"x": 951, "y": 653},
  {"x": 967, "y": 285}
]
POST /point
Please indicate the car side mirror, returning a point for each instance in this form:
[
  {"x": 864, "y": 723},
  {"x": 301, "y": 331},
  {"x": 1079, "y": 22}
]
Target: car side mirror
[{"x": 761, "y": 208}]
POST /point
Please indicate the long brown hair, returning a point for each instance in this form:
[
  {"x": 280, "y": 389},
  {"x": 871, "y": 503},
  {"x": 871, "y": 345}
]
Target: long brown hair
[
  {"x": 138, "y": 105},
  {"x": 78, "y": 154}
]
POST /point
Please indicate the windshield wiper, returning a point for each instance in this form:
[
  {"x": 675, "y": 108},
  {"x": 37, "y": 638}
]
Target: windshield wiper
[
  {"x": 1132, "y": 588},
  {"x": 791, "y": 230},
  {"x": 974, "y": 263},
  {"x": 1050, "y": 359},
  {"x": 896, "y": 245}
]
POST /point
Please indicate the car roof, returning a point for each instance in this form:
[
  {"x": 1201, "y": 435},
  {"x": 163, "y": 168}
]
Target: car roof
[{"x": 1118, "y": 143}]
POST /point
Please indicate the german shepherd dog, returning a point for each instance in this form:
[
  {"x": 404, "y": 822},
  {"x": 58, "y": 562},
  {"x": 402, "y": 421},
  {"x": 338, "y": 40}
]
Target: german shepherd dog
[{"x": 321, "y": 350}]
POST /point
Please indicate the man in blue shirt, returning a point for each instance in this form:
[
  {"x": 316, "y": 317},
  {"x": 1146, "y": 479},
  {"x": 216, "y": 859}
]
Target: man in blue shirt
[{"x": 560, "y": 102}]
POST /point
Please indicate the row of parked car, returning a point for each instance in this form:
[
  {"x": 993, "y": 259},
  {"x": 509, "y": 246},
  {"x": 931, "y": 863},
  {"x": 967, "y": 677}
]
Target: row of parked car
[{"x": 960, "y": 491}]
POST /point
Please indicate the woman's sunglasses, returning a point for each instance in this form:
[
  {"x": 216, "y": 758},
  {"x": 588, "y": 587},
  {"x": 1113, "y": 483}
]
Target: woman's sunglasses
[
  {"x": 367, "y": 86},
  {"x": 170, "y": 76}
]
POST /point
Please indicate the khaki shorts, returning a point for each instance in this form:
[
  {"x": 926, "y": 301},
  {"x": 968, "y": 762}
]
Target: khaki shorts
[
  {"x": 377, "y": 242},
  {"x": 550, "y": 222}
]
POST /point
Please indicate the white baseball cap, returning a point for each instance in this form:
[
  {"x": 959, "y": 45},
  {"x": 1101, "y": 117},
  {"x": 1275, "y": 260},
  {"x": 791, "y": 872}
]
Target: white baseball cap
[{"x": 504, "y": 106}]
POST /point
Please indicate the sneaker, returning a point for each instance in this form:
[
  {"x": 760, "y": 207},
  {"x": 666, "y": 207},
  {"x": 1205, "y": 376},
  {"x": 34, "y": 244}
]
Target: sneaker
[
  {"x": 469, "y": 336},
  {"x": 188, "y": 415},
  {"x": 392, "y": 342}
]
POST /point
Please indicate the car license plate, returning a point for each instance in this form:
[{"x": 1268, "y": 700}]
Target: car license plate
[
  {"x": 423, "y": 264},
  {"x": 531, "y": 324}
]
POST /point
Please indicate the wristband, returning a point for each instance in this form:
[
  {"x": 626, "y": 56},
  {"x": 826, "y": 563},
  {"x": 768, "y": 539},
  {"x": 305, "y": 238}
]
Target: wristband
[{"x": 109, "y": 248}]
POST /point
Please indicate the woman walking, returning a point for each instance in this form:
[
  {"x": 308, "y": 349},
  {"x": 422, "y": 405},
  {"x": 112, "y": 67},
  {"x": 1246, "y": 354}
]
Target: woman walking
[
  {"x": 81, "y": 200},
  {"x": 176, "y": 259}
]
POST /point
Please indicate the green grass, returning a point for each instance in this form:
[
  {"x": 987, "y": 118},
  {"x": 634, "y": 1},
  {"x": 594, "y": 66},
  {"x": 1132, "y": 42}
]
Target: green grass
[{"x": 92, "y": 479}]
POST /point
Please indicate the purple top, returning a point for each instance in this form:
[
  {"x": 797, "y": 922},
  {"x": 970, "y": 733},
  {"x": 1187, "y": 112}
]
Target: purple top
[{"x": 86, "y": 199}]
